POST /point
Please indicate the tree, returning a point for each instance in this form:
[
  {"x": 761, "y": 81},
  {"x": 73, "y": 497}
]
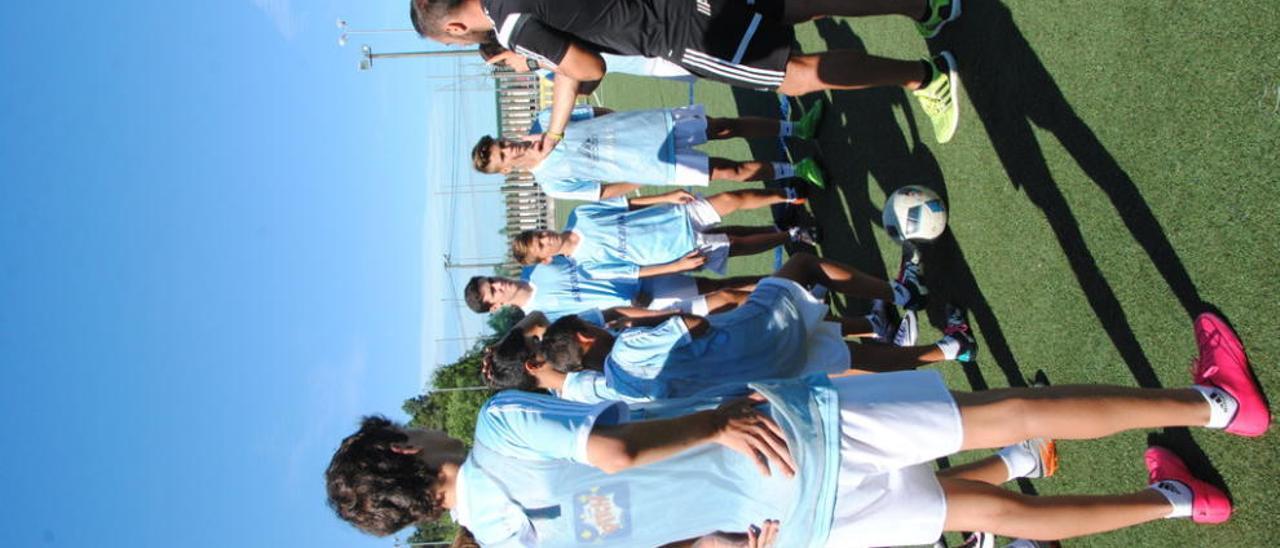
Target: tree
[{"x": 455, "y": 412}]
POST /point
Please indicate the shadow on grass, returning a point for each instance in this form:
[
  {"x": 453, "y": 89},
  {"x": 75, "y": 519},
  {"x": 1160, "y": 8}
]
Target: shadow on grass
[
  {"x": 862, "y": 141},
  {"x": 1012, "y": 91}
]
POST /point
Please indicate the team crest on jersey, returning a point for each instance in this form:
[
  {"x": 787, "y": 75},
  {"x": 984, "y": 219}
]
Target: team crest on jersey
[
  {"x": 602, "y": 513},
  {"x": 591, "y": 147}
]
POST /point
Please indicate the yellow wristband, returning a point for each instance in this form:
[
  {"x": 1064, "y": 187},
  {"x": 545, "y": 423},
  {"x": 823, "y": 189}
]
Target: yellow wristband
[{"x": 555, "y": 136}]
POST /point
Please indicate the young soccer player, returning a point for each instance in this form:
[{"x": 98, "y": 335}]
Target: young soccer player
[
  {"x": 838, "y": 463},
  {"x": 561, "y": 287},
  {"x": 779, "y": 332},
  {"x": 661, "y": 234},
  {"x": 746, "y": 44},
  {"x": 610, "y": 155}
]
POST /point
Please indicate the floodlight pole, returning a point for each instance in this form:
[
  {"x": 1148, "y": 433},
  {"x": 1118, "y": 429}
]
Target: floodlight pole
[{"x": 367, "y": 55}]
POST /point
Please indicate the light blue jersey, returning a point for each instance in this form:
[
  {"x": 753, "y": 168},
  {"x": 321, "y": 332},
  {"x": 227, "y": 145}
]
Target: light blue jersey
[
  {"x": 777, "y": 333},
  {"x": 578, "y": 114},
  {"x": 625, "y": 147},
  {"x": 617, "y": 241},
  {"x": 562, "y": 288},
  {"x": 590, "y": 387},
  {"x": 527, "y": 481}
]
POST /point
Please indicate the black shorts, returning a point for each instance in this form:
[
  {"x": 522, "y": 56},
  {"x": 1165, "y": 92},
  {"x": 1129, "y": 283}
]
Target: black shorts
[{"x": 742, "y": 43}]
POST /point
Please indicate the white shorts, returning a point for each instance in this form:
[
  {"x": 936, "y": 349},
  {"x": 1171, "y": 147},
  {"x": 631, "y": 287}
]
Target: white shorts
[
  {"x": 892, "y": 425},
  {"x": 702, "y": 217},
  {"x": 826, "y": 352},
  {"x": 693, "y": 167},
  {"x": 675, "y": 291}
]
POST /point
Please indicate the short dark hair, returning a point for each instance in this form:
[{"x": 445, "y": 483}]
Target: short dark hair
[
  {"x": 509, "y": 356},
  {"x": 471, "y": 294},
  {"x": 560, "y": 344},
  {"x": 481, "y": 154},
  {"x": 427, "y": 15},
  {"x": 376, "y": 489}
]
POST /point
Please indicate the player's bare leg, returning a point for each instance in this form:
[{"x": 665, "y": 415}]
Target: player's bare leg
[
  {"x": 723, "y": 169},
  {"x": 756, "y": 243},
  {"x": 747, "y": 127},
  {"x": 979, "y": 506},
  {"x": 809, "y": 270},
  {"x": 744, "y": 283},
  {"x": 995, "y": 418},
  {"x": 848, "y": 69},
  {"x": 747, "y": 198}
]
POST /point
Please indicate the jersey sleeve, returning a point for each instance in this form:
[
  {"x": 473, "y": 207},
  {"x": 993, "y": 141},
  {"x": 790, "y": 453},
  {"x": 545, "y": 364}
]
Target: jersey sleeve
[
  {"x": 572, "y": 189},
  {"x": 526, "y": 35},
  {"x": 643, "y": 346},
  {"x": 539, "y": 427}
]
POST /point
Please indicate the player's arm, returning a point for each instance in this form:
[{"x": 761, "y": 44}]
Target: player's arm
[
  {"x": 614, "y": 190},
  {"x": 696, "y": 325},
  {"x": 693, "y": 261},
  {"x": 674, "y": 197},
  {"x": 578, "y": 66},
  {"x": 619, "y": 312},
  {"x": 737, "y": 425}
]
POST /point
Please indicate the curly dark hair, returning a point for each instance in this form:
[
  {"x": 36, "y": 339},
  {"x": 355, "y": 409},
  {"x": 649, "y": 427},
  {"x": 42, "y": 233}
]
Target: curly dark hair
[
  {"x": 560, "y": 344},
  {"x": 509, "y": 356},
  {"x": 376, "y": 489}
]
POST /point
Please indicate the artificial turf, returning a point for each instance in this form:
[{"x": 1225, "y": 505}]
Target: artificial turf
[{"x": 1115, "y": 173}]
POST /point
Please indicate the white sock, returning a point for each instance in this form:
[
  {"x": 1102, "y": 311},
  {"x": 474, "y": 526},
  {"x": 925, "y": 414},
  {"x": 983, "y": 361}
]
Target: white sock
[
  {"x": 1017, "y": 460},
  {"x": 1178, "y": 494},
  {"x": 877, "y": 324},
  {"x": 784, "y": 129},
  {"x": 793, "y": 232},
  {"x": 782, "y": 170},
  {"x": 1222, "y": 407},
  {"x": 950, "y": 347}
]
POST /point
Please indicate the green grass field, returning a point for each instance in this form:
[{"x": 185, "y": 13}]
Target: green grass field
[{"x": 1115, "y": 173}]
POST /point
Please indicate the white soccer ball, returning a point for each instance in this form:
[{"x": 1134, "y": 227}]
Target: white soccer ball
[{"x": 914, "y": 213}]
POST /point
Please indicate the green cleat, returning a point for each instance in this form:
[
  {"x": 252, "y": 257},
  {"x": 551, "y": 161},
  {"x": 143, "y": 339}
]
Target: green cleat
[
  {"x": 807, "y": 126},
  {"x": 809, "y": 170},
  {"x": 940, "y": 97},
  {"x": 941, "y": 12}
]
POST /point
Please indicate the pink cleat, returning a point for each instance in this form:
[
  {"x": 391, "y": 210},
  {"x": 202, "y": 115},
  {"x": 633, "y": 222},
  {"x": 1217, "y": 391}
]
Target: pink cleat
[
  {"x": 1222, "y": 363},
  {"x": 1208, "y": 503}
]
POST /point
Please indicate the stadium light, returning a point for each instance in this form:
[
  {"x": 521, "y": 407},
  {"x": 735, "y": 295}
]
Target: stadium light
[{"x": 347, "y": 32}]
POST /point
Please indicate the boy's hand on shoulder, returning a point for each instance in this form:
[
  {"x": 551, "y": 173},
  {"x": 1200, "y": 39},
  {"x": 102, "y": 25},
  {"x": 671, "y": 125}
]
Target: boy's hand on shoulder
[
  {"x": 743, "y": 428},
  {"x": 621, "y": 324}
]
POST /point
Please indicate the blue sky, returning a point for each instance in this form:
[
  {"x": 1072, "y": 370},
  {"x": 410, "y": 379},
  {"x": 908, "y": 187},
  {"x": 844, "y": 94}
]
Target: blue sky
[{"x": 221, "y": 245}]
